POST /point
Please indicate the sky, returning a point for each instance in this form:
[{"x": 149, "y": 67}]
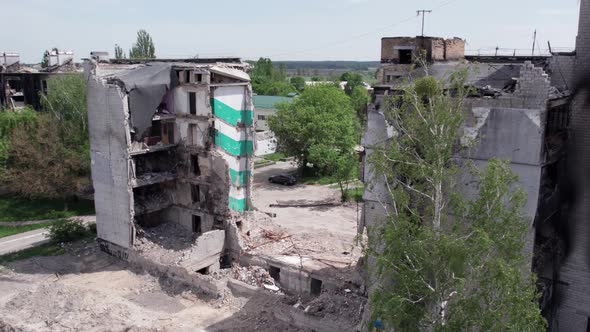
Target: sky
[{"x": 281, "y": 30}]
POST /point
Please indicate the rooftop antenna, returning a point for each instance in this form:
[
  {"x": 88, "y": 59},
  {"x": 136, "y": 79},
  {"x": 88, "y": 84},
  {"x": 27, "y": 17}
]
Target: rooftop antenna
[{"x": 423, "y": 12}]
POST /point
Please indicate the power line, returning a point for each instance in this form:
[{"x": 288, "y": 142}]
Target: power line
[{"x": 359, "y": 36}]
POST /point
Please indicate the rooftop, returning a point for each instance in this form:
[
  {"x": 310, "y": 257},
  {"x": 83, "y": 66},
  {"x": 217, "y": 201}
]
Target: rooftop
[{"x": 269, "y": 102}]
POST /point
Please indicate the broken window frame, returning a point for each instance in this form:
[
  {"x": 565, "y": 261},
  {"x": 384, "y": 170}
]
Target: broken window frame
[
  {"x": 197, "y": 224},
  {"x": 192, "y": 102},
  {"x": 195, "y": 167},
  {"x": 195, "y": 193}
]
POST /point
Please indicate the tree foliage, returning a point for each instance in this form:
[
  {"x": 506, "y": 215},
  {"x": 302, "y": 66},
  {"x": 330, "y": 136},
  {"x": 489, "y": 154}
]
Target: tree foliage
[
  {"x": 119, "y": 53},
  {"x": 144, "y": 47},
  {"x": 45, "y": 58},
  {"x": 9, "y": 120},
  {"x": 318, "y": 127},
  {"x": 360, "y": 99},
  {"x": 352, "y": 80},
  {"x": 442, "y": 273},
  {"x": 41, "y": 165},
  {"x": 49, "y": 157},
  {"x": 270, "y": 80},
  {"x": 66, "y": 101},
  {"x": 298, "y": 83}
]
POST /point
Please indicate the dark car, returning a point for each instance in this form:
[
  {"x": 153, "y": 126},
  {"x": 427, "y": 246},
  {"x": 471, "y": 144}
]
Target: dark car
[{"x": 284, "y": 179}]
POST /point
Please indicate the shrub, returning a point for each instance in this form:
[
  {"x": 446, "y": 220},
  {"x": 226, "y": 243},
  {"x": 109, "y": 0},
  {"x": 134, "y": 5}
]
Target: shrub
[{"x": 69, "y": 230}]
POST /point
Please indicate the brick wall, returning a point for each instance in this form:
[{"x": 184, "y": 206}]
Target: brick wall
[
  {"x": 437, "y": 46},
  {"x": 389, "y": 53},
  {"x": 454, "y": 49}
]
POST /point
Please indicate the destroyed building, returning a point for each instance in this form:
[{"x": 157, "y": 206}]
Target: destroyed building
[
  {"x": 519, "y": 111},
  {"x": 23, "y": 85},
  {"x": 171, "y": 150}
]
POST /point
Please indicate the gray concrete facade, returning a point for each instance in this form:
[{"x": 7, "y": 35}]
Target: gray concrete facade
[{"x": 153, "y": 167}]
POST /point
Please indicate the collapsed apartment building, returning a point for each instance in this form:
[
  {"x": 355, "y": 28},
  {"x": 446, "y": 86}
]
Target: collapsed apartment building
[
  {"x": 519, "y": 111},
  {"x": 23, "y": 84},
  {"x": 171, "y": 150}
]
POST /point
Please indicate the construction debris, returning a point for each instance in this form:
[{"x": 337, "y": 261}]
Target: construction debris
[{"x": 255, "y": 276}]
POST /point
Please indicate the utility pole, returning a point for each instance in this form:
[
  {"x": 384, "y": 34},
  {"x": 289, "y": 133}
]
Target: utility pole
[
  {"x": 423, "y": 12},
  {"x": 534, "y": 42}
]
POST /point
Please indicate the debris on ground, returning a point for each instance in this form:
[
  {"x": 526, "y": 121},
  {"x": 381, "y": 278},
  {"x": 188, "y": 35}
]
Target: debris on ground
[{"x": 255, "y": 276}]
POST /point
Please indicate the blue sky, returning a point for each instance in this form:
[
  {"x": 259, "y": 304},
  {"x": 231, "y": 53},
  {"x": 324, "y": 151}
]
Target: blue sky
[{"x": 293, "y": 30}]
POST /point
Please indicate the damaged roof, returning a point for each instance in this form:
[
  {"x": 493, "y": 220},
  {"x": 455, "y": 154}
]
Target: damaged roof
[
  {"x": 147, "y": 83},
  {"x": 495, "y": 75}
]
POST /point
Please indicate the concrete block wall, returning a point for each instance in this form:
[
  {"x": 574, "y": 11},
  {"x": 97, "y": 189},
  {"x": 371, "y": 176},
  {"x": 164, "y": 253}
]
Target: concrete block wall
[
  {"x": 108, "y": 115},
  {"x": 561, "y": 70},
  {"x": 533, "y": 86}
]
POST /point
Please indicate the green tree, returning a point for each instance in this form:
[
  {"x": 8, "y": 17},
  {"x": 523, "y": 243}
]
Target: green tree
[
  {"x": 263, "y": 68},
  {"x": 144, "y": 47},
  {"x": 434, "y": 272},
  {"x": 319, "y": 127},
  {"x": 9, "y": 120},
  {"x": 270, "y": 80},
  {"x": 119, "y": 53},
  {"x": 66, "y": 100},
  {"x": 359, "y": 99},
  {"x": 352, "y": 81},
  {"x": 298, "y": 83},
  {"x": 45, "y": 58},
  {"x": 49, "y": 157},
  {"x": 40, "y": 165}
]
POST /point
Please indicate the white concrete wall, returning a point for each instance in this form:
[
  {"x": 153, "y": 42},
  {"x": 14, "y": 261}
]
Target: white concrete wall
[
  {"x": 265, "y": 146},
  {"x": 262, "y": 124},
  {"x": 181, "y": 99}
]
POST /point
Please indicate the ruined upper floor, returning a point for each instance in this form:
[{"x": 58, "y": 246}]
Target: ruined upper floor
[{"x": 404, "y": 50}]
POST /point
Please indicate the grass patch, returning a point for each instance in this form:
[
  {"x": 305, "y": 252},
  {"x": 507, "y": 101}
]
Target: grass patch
[
  {"x": 317, "y": 179},
  {"x": 277, "y": 156},
  {"x": 48, "y": 249},
  {"x": 61, "y": 231},
  {"x": 22, "y": 209},
  {"x": 12, "y": 230},
  {"x": 354, "y": 194},
  {"x": 312, "y": 176}
]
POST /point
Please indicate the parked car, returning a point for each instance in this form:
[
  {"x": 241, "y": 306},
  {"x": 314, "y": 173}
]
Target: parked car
[{"x": 284, "y": 179}]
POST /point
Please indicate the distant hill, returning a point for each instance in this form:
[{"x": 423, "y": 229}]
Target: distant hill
[{"x": 329, "y": 65}]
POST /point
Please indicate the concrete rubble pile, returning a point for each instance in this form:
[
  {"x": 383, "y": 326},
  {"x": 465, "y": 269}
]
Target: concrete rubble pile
[{"x": 255, "y": 276}]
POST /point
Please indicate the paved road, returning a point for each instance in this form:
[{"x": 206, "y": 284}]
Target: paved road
[
  {"x": 23, "y": 240},
  {"x": 31, "y": 239}
]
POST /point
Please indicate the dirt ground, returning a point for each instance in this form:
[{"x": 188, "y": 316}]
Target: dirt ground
[
  {"x": 323, "y": 235},
  {"x": 88, "y": 290}
]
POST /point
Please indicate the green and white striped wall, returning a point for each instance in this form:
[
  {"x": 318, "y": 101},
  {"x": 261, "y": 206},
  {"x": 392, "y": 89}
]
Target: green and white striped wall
[{"x": 233, "y": 121}]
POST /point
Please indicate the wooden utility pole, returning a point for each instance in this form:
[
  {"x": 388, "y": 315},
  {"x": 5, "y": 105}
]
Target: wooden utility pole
[{"x": 423, "y": 12}]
